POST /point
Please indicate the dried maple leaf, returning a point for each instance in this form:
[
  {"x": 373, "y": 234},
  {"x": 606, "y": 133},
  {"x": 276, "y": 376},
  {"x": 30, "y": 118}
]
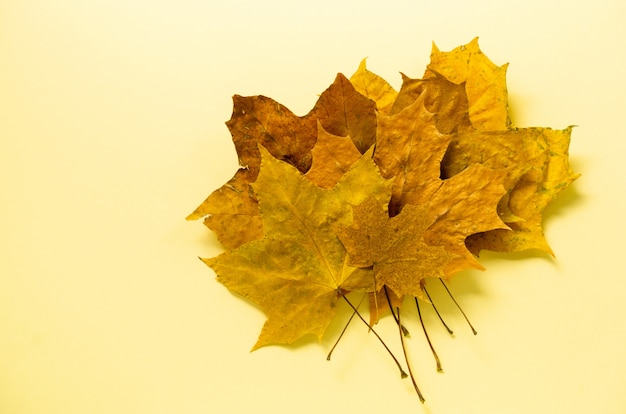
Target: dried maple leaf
[
  {"x": 538, "y": 165},
  {"x": 409, "y": 150},
  {"x": 232, "y": 211},
  {"x": 261, "y": 121},
  {"x": 374, "y": 87},
  {"x": 332, "y": 158},
  {"x": 467, "y": 96},
  {"x": 377, "y": 191},
  {"x": 485, "y": 83},
  {"x": 299, "y": 269},
  {"x": 343, "y": 111},
  {"x": 446, "y": 100},
  {"x": 395, "y": 247},
  {"x": 536, "y": 158}
]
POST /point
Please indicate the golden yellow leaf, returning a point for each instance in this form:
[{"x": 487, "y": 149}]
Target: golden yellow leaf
[
  {"x": 232, "y": 211},
  {"x": 374, "y": 87},
  {"x": 463, "y": 206},
  {"x": 446, "y": 100},
  {"x": 538, "y": 164},
  {"x": 485, "y": 83},
  {"x": 298, "y": 270},
  {"x": 409, "y": 150}
]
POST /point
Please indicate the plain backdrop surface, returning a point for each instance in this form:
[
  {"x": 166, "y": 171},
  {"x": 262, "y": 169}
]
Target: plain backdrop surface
[{"x": 112, "y": 131}]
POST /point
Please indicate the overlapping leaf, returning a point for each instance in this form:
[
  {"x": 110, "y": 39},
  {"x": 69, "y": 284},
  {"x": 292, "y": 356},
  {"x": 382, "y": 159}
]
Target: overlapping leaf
[
  {"x": 409, "y": 150},
  {"x": 332, "y": 158},
  {"x": 232, "y": 210},
  {"x": 374, "y": 87},
  {"x": 298, "y": 270},
  {"x": 485, "y": 83},
  {"x": 395, "y": 247},
  {"x": 376, "y": 190},
  {"x": 538, "y": 169}
]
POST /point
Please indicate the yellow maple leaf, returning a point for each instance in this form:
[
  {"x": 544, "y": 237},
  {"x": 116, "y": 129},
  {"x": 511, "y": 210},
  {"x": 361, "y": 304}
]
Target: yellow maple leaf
[
  {"x": 538, "y": 169},
  {"x": 446, "y": 100},
  {"x": 374, "y": 87},
  {"x": 409, "y": 149},
  {"x": 485, "y": 83},
  {"x": 298, "y": 270},
  {"x": 232, "y": 211},
  {"x": 467, "y": 96}
]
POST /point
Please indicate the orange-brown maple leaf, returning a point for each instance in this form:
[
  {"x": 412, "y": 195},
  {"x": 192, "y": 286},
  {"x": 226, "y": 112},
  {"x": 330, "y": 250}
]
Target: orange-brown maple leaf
[
  {"x": 332, "y": 158},
  {"x": 232, "y": 210},
  {"x": 467, "y": 96},
  {"x": 409, "y": 150},
  {"x": 396, "y": 247}
]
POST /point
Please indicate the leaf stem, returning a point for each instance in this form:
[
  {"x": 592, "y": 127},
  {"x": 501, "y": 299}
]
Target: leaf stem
[
  {"x": 343, "y": 331},
  {"x": 430, "y": 344},
  {"x": 406, "y": 358},
  {"x": 395, "y": 318},
  {"x": 436, "y": 311},
  {"x": 459, "y": 307},
  {"x": 402, "y": 373}
]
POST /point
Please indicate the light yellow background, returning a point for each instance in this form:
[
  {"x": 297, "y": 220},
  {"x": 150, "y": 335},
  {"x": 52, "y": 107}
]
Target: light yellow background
[{"x": 112, "y": 130}]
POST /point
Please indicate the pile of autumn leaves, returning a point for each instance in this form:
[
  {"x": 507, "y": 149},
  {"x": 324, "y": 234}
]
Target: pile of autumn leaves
[{"x": 376, "y": 187}]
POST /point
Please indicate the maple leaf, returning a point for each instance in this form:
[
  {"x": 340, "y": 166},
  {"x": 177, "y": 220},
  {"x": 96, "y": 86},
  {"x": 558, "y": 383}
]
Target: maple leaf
[
  {"x": 298, "y": 270},
  {"x": 261, "y": 121},
  {"x": 463, "y": 88},
  {"x": 343, "y": 111},
  {"x": 374, "y": 87},
  {"x": 395, "y": 247},
  {"x": 467, "y": 95},
  {"x": 538, "y": 169},
  {"x": 232, "y": 210},
  {"x": 377, "y": 191},
  {"x": 484, "y": 81},
  {"x": 446, "y": 100},
  {"x": 410, "y": 150},
  {"x": 332, "y": 158}
]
